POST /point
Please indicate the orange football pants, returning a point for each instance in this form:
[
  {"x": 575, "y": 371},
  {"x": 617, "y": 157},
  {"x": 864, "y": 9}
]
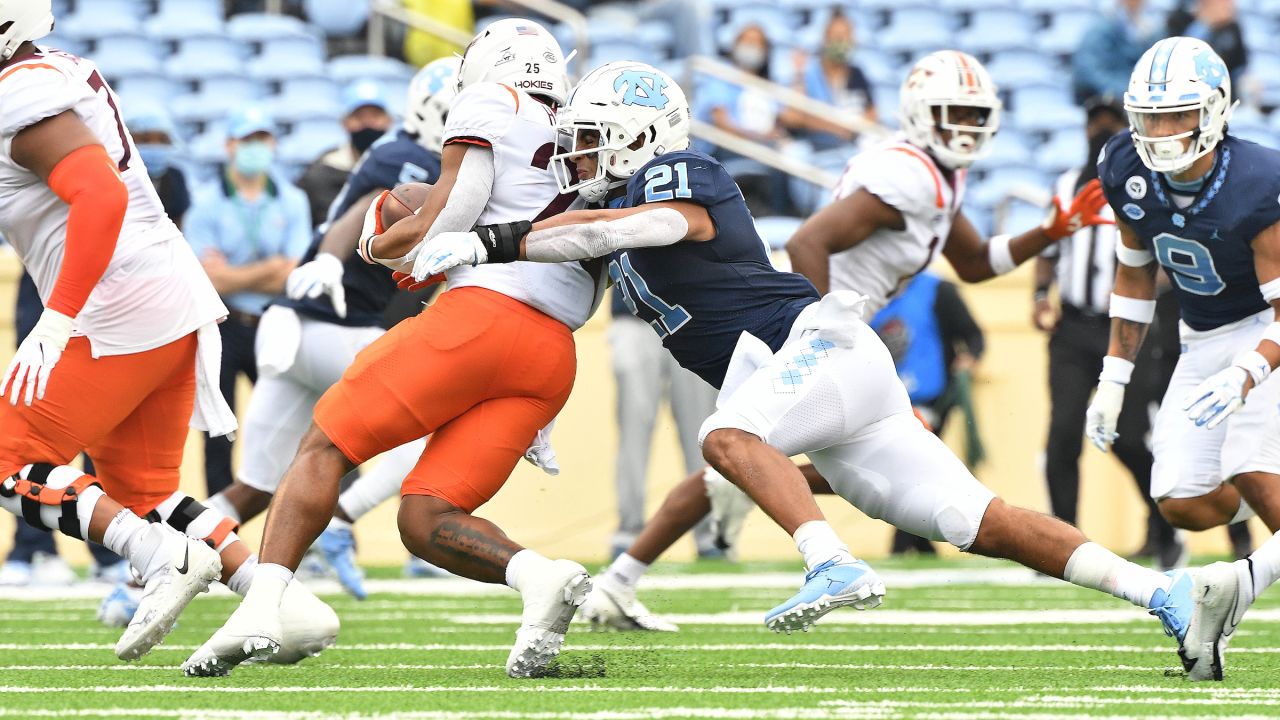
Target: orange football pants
[
  {"x": 479, "y": 372},
  {"x": 130, "y": 413}
]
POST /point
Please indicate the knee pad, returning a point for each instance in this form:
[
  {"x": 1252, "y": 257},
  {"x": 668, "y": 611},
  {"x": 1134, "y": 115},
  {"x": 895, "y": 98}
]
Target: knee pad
[
  {"x": 47, "y": 496},
  {"x": 183, "y": 513}
]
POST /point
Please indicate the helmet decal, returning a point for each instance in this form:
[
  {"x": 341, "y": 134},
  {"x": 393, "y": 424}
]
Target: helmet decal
[{"x": 642, "y": 88}]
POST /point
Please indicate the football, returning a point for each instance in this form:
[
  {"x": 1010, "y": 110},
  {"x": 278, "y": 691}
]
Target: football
[{"x": 404, "y": 201}]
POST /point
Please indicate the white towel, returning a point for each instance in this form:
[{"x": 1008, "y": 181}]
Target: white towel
[
  {"x": 541, "y": 454},
  {"x": 211, "y": 413},
  {"x": 277, "y": 340}
]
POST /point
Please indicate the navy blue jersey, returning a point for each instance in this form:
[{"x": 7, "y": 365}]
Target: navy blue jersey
[
  {"x": 396, "y": 158},
  {"x": 1206, "y": 247},
  {"x": 701, "y": 296}
]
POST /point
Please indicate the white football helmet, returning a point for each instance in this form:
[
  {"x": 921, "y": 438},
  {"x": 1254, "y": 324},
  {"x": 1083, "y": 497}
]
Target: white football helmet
[
  {"x": 431, "y": 92},
  {"x": 520, "y": 53},
  {"x": 23, "y": 21},
  {"x": 1178, "y": 74},
  {"x": 937, "y": 83},
  {"x": 639, "y": 113}
]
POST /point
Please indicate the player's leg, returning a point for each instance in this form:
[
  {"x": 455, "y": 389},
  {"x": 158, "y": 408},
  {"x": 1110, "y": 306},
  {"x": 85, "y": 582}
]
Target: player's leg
[
  {"x": 692, "y": 402},
  {"x": 637, "y": 356}
]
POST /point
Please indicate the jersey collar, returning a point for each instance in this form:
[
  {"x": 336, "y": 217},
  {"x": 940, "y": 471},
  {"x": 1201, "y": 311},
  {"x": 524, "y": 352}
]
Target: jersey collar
[{"x": 1207, "y": 193}]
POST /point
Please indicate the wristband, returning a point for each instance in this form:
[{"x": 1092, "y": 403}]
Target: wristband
[
  {"x": 999, "y": 255},
  {"x": 1252, "y": 361},
  {"x": 1270, "y": 290},
  {"x": 1133, "y": 258},
  {"x": 502, "y": 241},
  {"x": 1133, "y": 309},
  {"x": 1272, "y": 333},
  {"x": 1116, "y": 370}
]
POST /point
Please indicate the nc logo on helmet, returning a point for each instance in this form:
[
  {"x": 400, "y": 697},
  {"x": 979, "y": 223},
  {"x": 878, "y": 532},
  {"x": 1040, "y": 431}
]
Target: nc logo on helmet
[
  {"x": 642, "y": 88},
  {"x": 1210, "y": 69}
]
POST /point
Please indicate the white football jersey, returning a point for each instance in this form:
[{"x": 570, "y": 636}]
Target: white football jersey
[
  {"x": 153, "y": 291},
  {"x": 522, "y": 133},
  {"x": 906, "y": 178}
]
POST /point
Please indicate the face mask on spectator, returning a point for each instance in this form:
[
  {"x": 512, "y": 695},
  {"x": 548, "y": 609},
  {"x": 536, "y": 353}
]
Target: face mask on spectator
[
  {"x": 837, "y": 50},
  {"x": 253, "y": 158},
  {"x": 157, "y": 157},
  {"x": 749, "y": 57},
  {"x": 364, "y": 138}
]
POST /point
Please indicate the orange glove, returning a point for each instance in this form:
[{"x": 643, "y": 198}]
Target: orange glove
[
  {"x": 405, "y": 281},
  {"x": 1083, "y": 212}
]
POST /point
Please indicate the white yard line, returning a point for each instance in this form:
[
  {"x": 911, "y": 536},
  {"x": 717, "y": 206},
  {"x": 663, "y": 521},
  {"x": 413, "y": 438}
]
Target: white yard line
[
  {"x": 907, "y": 617},
  {"x": 870, "y": 712}
]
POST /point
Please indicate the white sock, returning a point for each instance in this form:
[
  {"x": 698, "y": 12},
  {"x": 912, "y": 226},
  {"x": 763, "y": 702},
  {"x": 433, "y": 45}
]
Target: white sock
[
  {"x": 269, "y": 582},
  {"x": 626, "y": 570},
  {"x": 523, "y": 565},
  {"x": 138, "y": 541},
  {"x": 382, "y": 482},
  {"x": 242, "y": 578},
  {"x": 219, "y": 502},
  {"x": 338, "y": 524},
  {"x": 1266, "y": 564},
  {"x": 818, "y": 543},
  {"x": 1097, "y": 568}
]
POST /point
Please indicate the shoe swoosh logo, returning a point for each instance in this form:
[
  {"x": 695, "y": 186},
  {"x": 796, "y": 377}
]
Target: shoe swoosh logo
[{"x": 186, "y": 556}]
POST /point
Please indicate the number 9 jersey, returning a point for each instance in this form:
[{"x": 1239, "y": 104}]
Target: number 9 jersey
[{"x": 1203, "y": 241}]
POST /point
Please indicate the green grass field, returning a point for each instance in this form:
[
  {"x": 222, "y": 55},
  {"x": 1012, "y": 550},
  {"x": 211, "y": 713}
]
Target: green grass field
[{"x": 953, "y": 640}]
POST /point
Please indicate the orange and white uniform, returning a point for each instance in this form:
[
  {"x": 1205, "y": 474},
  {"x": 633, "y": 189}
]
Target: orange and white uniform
[
  {"x": 125, "y": 387},
  {"x": 908, "y": 179},
  {"x": 493, "y": 360}
]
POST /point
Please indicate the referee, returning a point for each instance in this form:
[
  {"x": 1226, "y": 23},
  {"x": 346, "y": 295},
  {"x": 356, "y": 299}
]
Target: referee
[{"x": 1083, "y": 268}]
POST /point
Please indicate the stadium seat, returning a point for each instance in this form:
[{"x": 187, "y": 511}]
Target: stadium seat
[
  {"x": 349, "y": 68},
  {"x": 301, "y": 148},
  {"x": 192, "y": 67},
  {"x": 996, "y": 183},
  {"x": 210, "y": 147},
  {"x": 209, "y": 44},
  {"x": 120, "y": 64},
  {"x": 260, "y": 27},
  {"x": 992, "y": 31},
  {"x": 1014, "y": 69},
  {"x": 95, "y": 21},
  {"x": 241, "y": 87},
  {"x": 1019, "y": 217},
  {"x": 879, "y": 67},
  {"x": 917, "y": 30},
  {"x": 1009, "y": 147},
  {"x": 175, "y": 25},
  {"x": 1045, "y": 108},
  {"x": 64, "y": 43},
  {"x": 1263, "y": 72},
  {"x": 886, "y": 99},
  {"x": 337, "y": 18},
  {"x": 656, "y": 35},
  {"x": 977, "y": 6},
  {"x": 603, "y": 53},
  {"x": 1066, "y": 149},
  {"x": 1066, "y": 28},
  {"x": 292, "y": 109},
  {"x": 209, "y": 9},
  {"x": 1055, "y": 6},
  {"x": 146, "y": 88},
  {"x": 204, "y": 108},
  {"x": 284, "y": 67},
  {"x": 120, "y": 48},
  {"x": 316, "y": 86}
]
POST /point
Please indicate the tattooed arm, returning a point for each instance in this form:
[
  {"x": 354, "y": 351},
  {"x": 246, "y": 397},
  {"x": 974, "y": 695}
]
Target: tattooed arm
[{"x": 1135, "y": 287}]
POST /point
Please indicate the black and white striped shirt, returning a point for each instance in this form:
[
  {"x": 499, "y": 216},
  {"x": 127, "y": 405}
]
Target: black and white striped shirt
[{"x": 1085, "y": 263}]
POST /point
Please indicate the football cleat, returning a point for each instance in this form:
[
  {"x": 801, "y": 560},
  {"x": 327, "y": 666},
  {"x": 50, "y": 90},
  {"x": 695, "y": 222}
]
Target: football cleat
[
  {"x": 15, "y": 573},
  {"x": 614, "y": 605},
  {"x": 1223, "y": 593},
  {"x": 307, "y": 625},
  {"x": 827, "y": 587},
  {"x": 1174, "y": 607},
  {"x": 192, "y": 566},
  {"x": 339, "y": 548},
  {"x": 119, "y": 607},
  {"x": 251, "y": 633},
  {"x": 549, "y": 605},
  {"x": 416, "y": 567}
]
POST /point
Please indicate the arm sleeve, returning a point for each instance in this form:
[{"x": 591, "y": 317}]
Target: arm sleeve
[
  {"x": 469, "y": 195},
  {"x": 956, "y": 323},
  {"x": 482, "y": 113},
  {"x": 87, "y": 180}
]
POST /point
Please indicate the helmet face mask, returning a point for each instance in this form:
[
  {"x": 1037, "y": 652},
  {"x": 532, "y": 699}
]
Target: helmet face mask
[
  {"x": 1178, "y": 103},
  {"x": 519, "y": 53},
  {"x": 430, "y": 93},
  {"x": 23, "y": 21},
  {"x": 949, "y": 106},
  {"x": 622, "y": 115}
]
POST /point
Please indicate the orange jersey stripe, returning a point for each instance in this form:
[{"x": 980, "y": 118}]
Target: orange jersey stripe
[
  {"x": 937, "y": 178},
  {"x": 514, "y": 95},
  {"x": 25, "y": 66}
]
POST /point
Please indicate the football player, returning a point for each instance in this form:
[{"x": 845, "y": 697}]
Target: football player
[
  {"x": 1202, "y": 204},
  {"x": 897, "y": 207},
  {"x": 482, "y": 370},
  {"x": 797, "y": 374},
  {"x": 333, "y": 308},
  {"x": 124, "y": 356}
]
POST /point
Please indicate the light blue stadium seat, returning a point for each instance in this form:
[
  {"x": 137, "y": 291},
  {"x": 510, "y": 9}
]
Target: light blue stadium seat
[
  {"x": 194, "y": 66},
  {"x": 1066, "y": 149},
  {"x": 917, "y": 30},
  {"x": 117, "y": 64},
  {"x": 992, "y": 31},
  {"x": 1014, "y": 69},
  {"x": 777, "y": 230},
  {"x": 285, "y": 67},
  {"x": 119, "y": 47},
  {"x": 998, "y": 181},
  {"x": 260, "y": 27},
  {"x": 93, "y": 21},
  {"x": 1008, "y": 147},
  {"x": 203, "y": 108},
  {"x": 146, "y": 88},
  {"x": 977, "y": 6},
  {"x": 208, "y": 44},
  {"x": 1066, "y": 28},
  {"x": 886, "y": 99},
  {"x": 191, "y": 8},
  {"x": 879, "y": 67},
  {"x": 1264, "y": 71},
  {"x": 298, "y": 148},
  {"x": 777, "y": 21},
  {"x": 237, "y": 86},
  {"x": 176, "y": 25},
  {"x": 337, "y": 18},
  {"x": 349, "y": 68},
  {"x": 1056, "y": 6},
  {"x": 1020, "y": 217},
  {"x": 607, "y": 29},
  {"x": 1260, "y": 133},
  {"x": 656, "y": 35},
  {"x": 1045, "y": 108},
  {"x": 1259, "y": 34},
  {"x": 315, "y": 126},
  {"x": 65, "y": 44},
  {"x": 291, "y": 109}
]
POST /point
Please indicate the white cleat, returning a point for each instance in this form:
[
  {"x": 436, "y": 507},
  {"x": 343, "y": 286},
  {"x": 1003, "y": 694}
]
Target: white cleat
[
  {"x": 307, "y": 625},
  {"x": 549, "y": 606},
  {"x": 1223, "y": 593},
  {"x": 192, "y": 566},
  {"x": 251, "y": 633},
  {"x": 614, "y": 605}
]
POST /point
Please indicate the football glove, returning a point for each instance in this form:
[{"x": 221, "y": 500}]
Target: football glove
[
  {"x": 36, "y": 357},
  {"x": 447, "y": 251},
  {"x": 1103, "y": 414},
  {"x": 323, "y": 275},
  {"x": 1217, "y": 397},
  {"x": 1084, "y": 211}
]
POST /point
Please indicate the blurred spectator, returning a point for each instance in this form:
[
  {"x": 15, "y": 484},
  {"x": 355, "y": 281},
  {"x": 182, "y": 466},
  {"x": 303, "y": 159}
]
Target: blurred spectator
[
  {"x": 248, "y": 231},
  {"x": 832, "y": 78},
  {"x": 420, "y": 47},
  {"x": 1109, "y": 49},
  {"x": 156, "y": 137},
  {"x": 750, "y": 114},
  {"x": 645, "y": 372},
  {"x": 1213, "y": 21},
  {"x": 935, "y": 344},
  {"x": 367, "y": 117}
]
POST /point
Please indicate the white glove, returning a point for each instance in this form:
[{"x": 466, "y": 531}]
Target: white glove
[
  {"x": 1103, "y": 414},
  {"x": 447, "y": 251},
  {"x": 1217, "y": 397},
  {"x": 36, "y": 356},
  {"x": 321, "y": 275}
]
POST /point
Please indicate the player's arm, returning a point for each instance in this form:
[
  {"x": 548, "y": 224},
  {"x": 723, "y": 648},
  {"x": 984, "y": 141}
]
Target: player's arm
[
  {"x": 976, "y": 260},
  {"x": 66, "y": 155},
  {"x": 1043, "y": 315},
  {"x": 1224, "y": 392},
  {"x": 836, "y": 228},
  {"x": 1133, "y": 306}
]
